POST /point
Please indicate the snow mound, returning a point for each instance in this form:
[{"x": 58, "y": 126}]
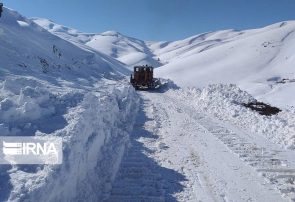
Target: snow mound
[
  {"x": 230, "y": 93},
  {"x": 224, "y": 102},
  {"x": 166, "y": 84}
]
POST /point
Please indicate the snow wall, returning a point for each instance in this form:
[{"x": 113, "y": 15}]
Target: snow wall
[{"x": 95, "y": 136}]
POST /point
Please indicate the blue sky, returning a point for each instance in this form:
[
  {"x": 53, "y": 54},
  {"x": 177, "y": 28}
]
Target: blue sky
[{"x": 158, "y": 19}]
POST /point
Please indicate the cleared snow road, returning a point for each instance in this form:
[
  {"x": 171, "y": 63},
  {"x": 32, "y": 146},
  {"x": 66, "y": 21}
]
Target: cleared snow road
[{"x": 178, "y": 154}]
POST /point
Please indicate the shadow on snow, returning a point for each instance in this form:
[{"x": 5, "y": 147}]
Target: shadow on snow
[{"x": 165, "y": 182}]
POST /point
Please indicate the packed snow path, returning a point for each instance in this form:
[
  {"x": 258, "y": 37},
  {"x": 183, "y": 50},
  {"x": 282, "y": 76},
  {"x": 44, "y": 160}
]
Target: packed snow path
[{"x": 179, "y": 154}]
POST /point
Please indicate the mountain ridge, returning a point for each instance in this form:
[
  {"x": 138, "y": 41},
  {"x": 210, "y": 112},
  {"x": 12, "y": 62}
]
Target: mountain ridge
[{"x": 248, "y": 58}]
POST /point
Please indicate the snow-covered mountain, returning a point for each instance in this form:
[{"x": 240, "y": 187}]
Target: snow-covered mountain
[
  {"x": 260, "y": 61},
  {"x": 128, "y": 50},
  {"x": 174, "y": 145}
]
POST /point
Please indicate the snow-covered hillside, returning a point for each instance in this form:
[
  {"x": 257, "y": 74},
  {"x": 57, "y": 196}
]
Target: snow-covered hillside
[
  {"x": 28, "y": 48},
  {"x": 257, "y": 60},
  {"x": 128, "y": 50}
]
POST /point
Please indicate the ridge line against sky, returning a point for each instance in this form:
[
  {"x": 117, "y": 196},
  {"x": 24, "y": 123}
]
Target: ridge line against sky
[{"x": 158, "y": 20}]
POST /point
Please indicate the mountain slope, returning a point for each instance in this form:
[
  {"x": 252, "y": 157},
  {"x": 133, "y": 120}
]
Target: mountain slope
[
  {"x": 26, "y": 47},
  {"x": 128, "y": 50},
  {"x": 257, "y": 60}
]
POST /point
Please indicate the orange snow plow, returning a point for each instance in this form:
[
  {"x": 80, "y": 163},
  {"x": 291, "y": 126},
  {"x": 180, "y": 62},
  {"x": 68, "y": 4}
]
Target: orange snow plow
[{"x": 143, "y": 78}]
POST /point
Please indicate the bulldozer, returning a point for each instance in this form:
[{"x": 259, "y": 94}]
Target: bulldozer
[{"x": 143, "y": 78}]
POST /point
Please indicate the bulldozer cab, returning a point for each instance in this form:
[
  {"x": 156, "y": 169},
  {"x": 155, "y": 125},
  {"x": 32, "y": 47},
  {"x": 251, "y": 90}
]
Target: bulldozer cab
[{"x": 143, "y": 78}]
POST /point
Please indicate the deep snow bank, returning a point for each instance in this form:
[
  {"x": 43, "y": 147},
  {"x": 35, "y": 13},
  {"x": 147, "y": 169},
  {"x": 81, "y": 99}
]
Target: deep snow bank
[
  {"x": 94, "y": 138},
  {"x": 224, "y": 102}
]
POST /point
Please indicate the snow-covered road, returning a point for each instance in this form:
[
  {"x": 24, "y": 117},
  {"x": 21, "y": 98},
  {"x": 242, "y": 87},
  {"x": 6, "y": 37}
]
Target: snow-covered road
[{"x": 180, "y": 154}]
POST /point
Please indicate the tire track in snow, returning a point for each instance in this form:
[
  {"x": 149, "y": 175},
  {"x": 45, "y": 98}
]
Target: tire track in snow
[
  {"x": 140, "y": 178},
  {"x": 277, "y": 165},
  {"x": 267, "y": 161},
  {"x": 214, "y": 172}
]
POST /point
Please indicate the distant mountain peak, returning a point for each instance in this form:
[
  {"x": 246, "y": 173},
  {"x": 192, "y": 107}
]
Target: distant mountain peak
[{"x": 111, "y": 33}]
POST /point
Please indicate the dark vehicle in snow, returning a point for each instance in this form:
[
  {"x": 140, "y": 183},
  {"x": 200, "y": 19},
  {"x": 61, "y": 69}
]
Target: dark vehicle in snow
[{"x": 143, "y": 78}]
